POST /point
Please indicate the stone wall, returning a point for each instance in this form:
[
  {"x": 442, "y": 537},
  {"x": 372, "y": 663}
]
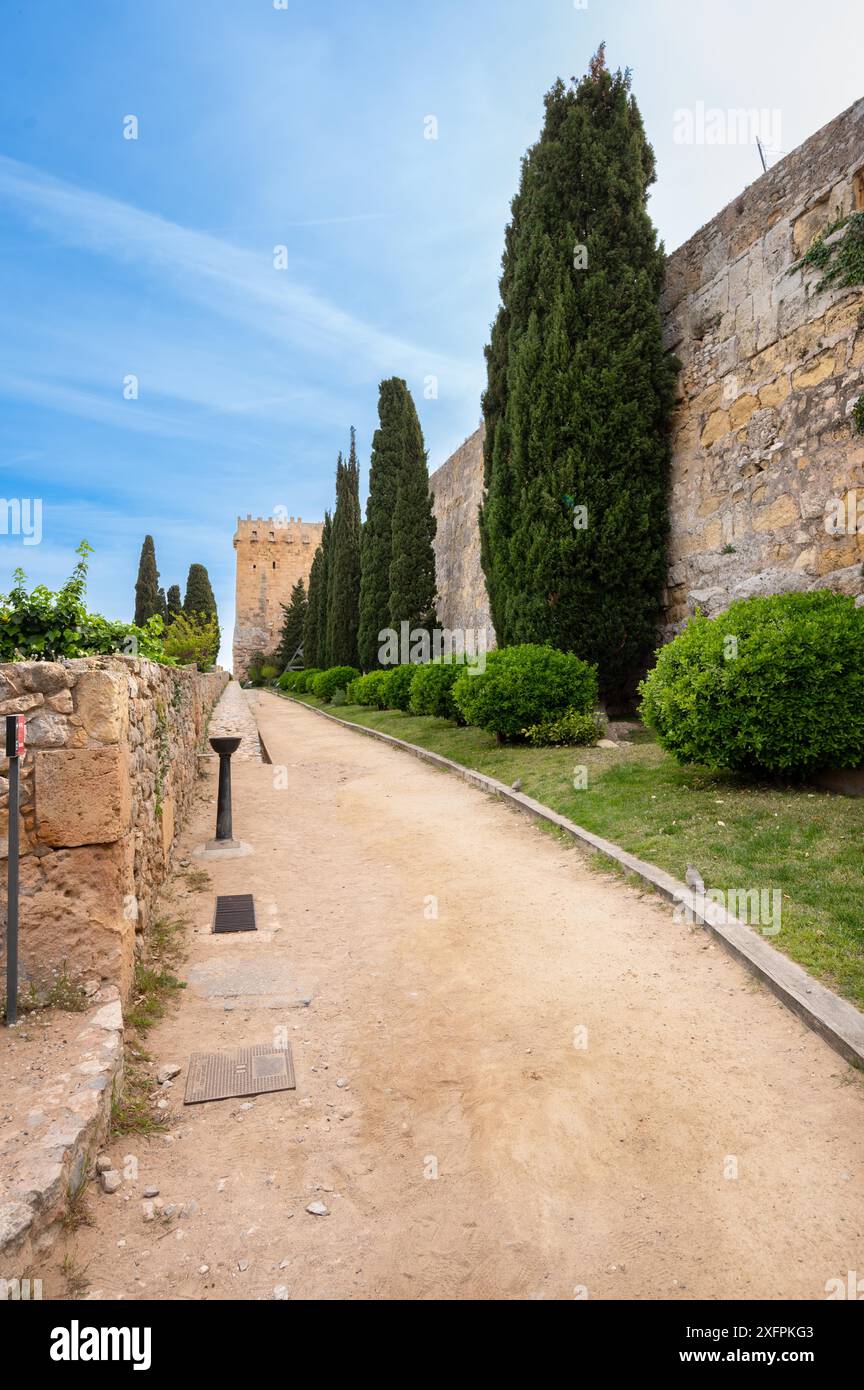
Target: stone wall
[
  {"x": 110, "y": 768},
  {"x": 271, "y": 556},
  {"x": 457, "y": 487},
  {"x": 764, "y": 450},
  {"x": 763, "y": 442}
]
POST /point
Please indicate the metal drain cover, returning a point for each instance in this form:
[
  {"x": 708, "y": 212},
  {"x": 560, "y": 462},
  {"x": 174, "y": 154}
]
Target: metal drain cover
[
  {"x": 240, "y": 1071},
  {"x": 234, "y": 912}
]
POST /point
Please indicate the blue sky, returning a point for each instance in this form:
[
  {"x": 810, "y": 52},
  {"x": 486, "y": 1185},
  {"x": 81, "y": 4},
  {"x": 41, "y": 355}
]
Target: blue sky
[{"x": 304, "y": 127}]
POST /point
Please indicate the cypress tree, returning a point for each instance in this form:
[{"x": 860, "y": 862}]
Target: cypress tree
[
  {"x": 200, "y": 598},
  {"x": 291, "y": 637},
  {"x": 313, "y": 607},
  {"x": 343, "y": 607},
  {"x": 174, "y": 602},
  {"x": 147, "y": 584},
  {"x": 412, "y": 565},
  {"x": 579, "y": 392},
  {"x": 323, "y": 646},
  {"x": 376, "y": 551}
]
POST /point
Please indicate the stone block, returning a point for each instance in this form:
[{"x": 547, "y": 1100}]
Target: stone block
[
  {"x": 83, "y": 796},
  {"x": 102, "y": 703}
]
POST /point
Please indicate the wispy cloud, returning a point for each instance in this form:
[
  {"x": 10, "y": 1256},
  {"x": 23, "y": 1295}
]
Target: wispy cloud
[{"x": 229, "y": 280}]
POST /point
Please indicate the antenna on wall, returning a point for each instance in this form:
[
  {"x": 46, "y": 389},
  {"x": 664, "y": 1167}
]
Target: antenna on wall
[{"x": 762, "y": 155}]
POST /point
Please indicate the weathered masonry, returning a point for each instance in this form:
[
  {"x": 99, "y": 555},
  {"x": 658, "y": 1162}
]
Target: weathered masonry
[
  {"x": 108, "y": 776},
  {"x": 765, "y": 455},
  {"x": 271, "y": 556}
]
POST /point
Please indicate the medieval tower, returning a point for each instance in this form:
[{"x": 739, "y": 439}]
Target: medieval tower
[{"x": 271, "y": 556}]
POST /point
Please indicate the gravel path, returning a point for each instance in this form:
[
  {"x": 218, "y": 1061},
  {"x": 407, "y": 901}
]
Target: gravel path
[{"x": 516, "y": 1078}]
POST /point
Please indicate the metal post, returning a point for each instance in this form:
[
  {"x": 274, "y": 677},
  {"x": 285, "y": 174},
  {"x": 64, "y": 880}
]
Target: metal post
[
  {"x": 223, "y": 805},
  {"x": 14, "y": 746},
  {"x": 224, "y": 829}
]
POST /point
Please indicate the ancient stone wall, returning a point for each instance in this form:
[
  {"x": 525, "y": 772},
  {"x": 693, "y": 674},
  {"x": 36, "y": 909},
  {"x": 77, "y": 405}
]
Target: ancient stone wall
[
  {"x": 271, "y": 556},
  {"x": 457, "y": 487},
  {"x": 765, "y": 457},
  {"x": 763, "y": 442},
  {"x": 110, "y": 768}
]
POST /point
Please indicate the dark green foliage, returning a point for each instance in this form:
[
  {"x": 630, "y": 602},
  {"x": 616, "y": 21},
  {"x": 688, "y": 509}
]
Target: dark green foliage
[
  {"x": 579, "y": 392},
  {"x": 313, "y": 610},
  {"x": 370, "y": 690},
  {"x": 571, "y": 727},
  {"x": 432, "y": 690},
  {"x": 328, "y": 682},
  {"x": 399, "y": 686},
  {"x": 343, "y": 602},
  {"x": 840, "y": 257},
  {"x": 376, "y": 546},
  {"x": 291, "y": 637},
  {"x": 147, "y": 601},
  {"x": 413, "y": 590},
  {"x": 173, "y": 602},
  {"x": 199, "y": 598},
  {"x": 858, "y": 415},
  {"x": 523, "y": 686},
  {"x": 773, "y": 684},
  {"x": 288, "y": 680},
  {"x": 397, "y": 573},
  {"x": 322, "y": 643}
]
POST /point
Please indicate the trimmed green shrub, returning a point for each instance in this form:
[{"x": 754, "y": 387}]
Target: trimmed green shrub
[
  {"x": 432, "y": 690},
  {"x": 304, "y": 680},
  {"x": 399, "y": 686},
  {"x": 370, "y": 690},
  {"x": 288, "y": 680},
  {"x": 523, "y": 686},
  {"x": 772, "y": 685},
  {"x": 328, "y": 682},
  {"x": 339, "y": 697},
  {"x": 573, "y": 726}
]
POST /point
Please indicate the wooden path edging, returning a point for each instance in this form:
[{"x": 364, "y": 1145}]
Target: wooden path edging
[{"x": 834, "y": 1019}]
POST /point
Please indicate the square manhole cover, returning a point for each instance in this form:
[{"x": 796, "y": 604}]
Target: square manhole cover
[
  {"x": 240, "y": 1071},
  {"x": 234, "y": 912}
]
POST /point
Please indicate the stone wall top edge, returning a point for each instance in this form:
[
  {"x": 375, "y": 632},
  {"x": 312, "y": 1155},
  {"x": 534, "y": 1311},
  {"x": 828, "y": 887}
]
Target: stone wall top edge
[
  {"x": 448, "y": 462},
  {"x": 839, "y": 136}
]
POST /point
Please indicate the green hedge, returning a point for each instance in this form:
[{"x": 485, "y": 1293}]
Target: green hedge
[
  {"x": 432, "y": 690},
  {"x": 370, "y": 690},
  {"x": 772, "y": 685},
  {"x": 572, "y": 727},
  {"x": 523, "y": 686},
  {"x": 399, "y": 686},
  {"x": 328, "y": 682},
  {"x": 303, "y": 683}
]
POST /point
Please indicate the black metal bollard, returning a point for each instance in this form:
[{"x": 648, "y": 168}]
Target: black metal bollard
[{"x": 224, "y": 747}]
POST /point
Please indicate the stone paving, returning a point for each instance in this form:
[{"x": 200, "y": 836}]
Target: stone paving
[{"x": 231, "y": 717}]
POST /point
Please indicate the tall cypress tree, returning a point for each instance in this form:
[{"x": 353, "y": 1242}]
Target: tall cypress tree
[
  {"x": 291, "y": 637},
  {"x": 413, "y": 590},
  {"x": 579, "y": 392},
  {"x": 343, "y": 615},
  {"x": 174, "y": 602},
  {"x": 313, "y": 608},
  {"x": 147, "y": 584},
  {"x": 199, "y": 594},
  {"x": 323, "y": 645},
  {"x": 376, "y": 551}
]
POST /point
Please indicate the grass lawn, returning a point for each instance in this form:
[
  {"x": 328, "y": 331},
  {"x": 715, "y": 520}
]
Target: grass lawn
[{"x": 806, "y": 842}]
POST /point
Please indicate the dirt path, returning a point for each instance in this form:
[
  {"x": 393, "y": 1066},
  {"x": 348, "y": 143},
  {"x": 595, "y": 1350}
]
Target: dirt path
[{"x": 559, "y": 1167}]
